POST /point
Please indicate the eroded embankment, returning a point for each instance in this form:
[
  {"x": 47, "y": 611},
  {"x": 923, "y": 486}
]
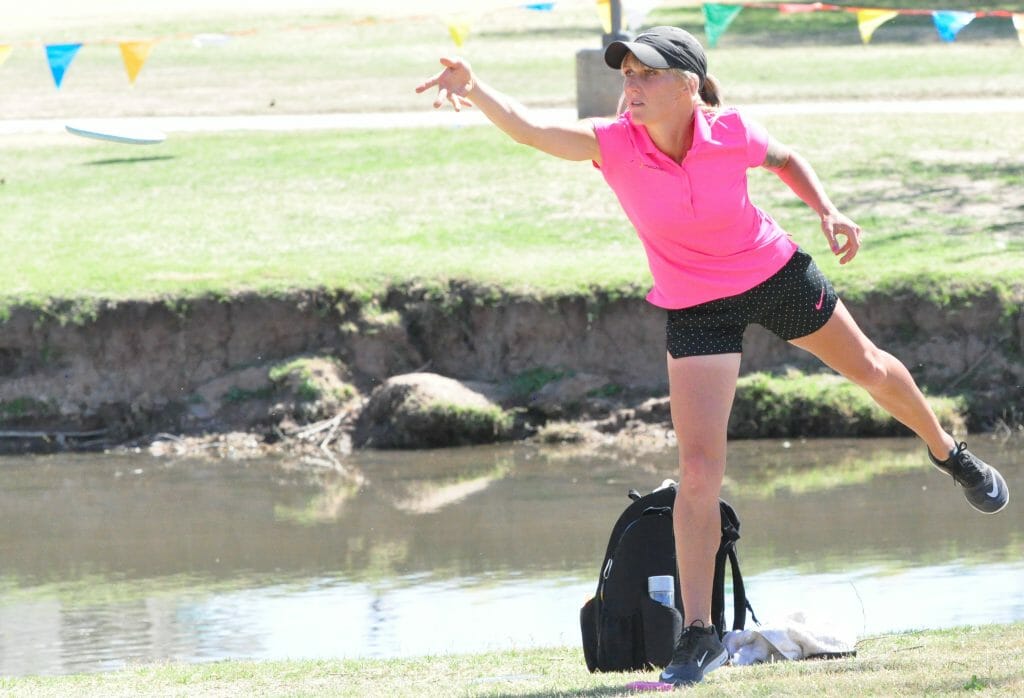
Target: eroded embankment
[{"x": 136, "y": 368}]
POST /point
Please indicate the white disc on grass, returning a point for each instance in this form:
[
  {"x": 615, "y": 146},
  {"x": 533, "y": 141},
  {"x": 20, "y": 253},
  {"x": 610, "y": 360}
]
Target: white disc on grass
[{"x": 117, "y": 131}]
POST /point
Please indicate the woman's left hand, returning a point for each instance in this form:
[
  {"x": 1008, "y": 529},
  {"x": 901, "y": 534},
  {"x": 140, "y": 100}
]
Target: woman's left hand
[{"x": 835, "y": 225}]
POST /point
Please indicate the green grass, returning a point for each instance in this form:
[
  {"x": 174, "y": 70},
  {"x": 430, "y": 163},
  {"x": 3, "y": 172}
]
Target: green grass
[
  {"x": 956, "y": 661},
  {"x": 221, "y": 213},
  {"x": 216, "y": 214}
]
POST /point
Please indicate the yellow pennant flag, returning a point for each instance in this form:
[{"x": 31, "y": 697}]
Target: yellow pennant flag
[
  {"x": 459, "y": 29},
  {"x": 870, "y": 20},
  {"x": 604, "y": 12},
  {"x": 5, "y": 51},
  {"x": 134, "y": 54},
  {"x": 1018, "y": 24}
]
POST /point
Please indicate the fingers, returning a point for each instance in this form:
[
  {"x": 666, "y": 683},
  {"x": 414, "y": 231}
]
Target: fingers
[
  {"x": 423, "y": 87},
  {"x": 431, "y": 82},
  {"x": 448, "y": 84},
  {"x": 442, "y": 95},
  {"x": 849, "y": 249}
]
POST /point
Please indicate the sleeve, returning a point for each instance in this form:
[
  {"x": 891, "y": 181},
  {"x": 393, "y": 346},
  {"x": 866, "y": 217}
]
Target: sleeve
[
  {"x": 608, "y": 132},
  {"x": 757, "y": 141}
]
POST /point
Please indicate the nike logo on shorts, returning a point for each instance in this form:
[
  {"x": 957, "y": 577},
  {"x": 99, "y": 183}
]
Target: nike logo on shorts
[{"x": 821, "y": 301}]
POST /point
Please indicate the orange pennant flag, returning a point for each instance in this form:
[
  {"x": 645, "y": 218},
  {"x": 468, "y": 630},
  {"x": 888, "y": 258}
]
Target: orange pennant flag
[
  {"x": 870, "y": 20},
  {"x": 5, "y": 51},
  {"x": 134, "y": 54}
]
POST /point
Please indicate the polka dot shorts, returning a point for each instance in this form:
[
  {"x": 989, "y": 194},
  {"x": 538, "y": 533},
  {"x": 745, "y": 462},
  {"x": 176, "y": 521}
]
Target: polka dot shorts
[{"x": 796, "y": 301}]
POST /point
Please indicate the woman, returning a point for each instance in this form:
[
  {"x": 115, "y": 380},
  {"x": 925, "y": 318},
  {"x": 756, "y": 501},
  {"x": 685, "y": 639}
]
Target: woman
[{"x": 677, "y": 162}]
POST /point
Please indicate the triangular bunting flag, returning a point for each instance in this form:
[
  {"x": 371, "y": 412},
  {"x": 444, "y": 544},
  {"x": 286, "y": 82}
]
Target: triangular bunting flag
[
  {"x": 5, "y": 51},
  {"x": 716, "y": 19},
  {"x": 1018, "y": 24},
  {"x": 59, "y": 56},
  {"x": 635, "y": 12},
  {"x": 134, "y": 55},
  {"x": 870, "y": 20},
  {"x": 604, "y": 13},
  {"x": 949, "y": 23},
  {"x": 459, "y": 30},
  {"x": 792, "y": 8}
]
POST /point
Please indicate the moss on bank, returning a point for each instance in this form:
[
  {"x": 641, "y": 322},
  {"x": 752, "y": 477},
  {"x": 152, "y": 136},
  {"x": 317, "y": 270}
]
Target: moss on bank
[{"x": 798, "y": 404}]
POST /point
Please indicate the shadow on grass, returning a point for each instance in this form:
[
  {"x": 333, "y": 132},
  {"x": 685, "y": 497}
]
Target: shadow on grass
[
  {"x": 128, "y": 161},
  {"x": 1006, "y": 169},
  {"x": 595, "y": 692},
  {"x": 951, "y": 190}
]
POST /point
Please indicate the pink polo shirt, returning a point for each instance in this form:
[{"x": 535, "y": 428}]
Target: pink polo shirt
[{"x": 704, "y": 238}]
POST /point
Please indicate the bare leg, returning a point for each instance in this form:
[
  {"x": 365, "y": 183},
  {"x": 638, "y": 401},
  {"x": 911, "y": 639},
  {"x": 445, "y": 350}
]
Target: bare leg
[
  {"x": 701, "y": 392},
  {"x": 844, "y": 347}
]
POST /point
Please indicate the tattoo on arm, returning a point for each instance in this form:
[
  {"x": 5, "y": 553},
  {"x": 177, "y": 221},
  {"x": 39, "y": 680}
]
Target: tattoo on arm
[{"x": 777, "y": 155}]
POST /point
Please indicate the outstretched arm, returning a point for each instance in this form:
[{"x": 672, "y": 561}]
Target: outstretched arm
[
  {"x": 457, "y": 84},
  {"x": 799, "y": 176}
]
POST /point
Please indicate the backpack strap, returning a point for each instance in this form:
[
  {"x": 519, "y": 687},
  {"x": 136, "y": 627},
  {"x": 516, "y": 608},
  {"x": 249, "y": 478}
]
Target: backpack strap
[
  {"x": 740, "y": 602},
  {"x": 718, "y": 593}
]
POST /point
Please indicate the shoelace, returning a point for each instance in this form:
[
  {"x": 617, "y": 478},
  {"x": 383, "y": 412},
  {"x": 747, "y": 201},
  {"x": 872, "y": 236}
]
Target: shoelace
[
  {"x": 967, "y": 470},
  {"x": 689, "y": 643}
]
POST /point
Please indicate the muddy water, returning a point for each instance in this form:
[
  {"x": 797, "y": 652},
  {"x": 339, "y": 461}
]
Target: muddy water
[{"x": 107, "y": 561}]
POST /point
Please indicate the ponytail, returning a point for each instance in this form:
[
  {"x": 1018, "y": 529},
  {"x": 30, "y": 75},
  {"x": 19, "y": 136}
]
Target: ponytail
[{"x": 710, "y": 91}]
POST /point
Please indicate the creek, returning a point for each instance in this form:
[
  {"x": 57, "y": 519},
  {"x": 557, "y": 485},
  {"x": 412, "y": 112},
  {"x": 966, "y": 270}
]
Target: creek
[{"x": 112, "y": 560}]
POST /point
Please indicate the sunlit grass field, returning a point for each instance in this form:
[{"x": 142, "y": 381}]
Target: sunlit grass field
[
  {"x": 940, "y": 200},
  {"x": 939, "y": 195}
]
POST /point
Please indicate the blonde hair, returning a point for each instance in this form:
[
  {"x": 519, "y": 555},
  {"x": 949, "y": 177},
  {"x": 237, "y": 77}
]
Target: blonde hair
[{"x": 709, "y": 90}]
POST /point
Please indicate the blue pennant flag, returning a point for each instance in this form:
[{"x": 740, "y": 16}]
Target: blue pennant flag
[
  {"x": 949, "y": 23},
  {"x": 59, "y": 56},
  {"x": 540, "y": 6}
]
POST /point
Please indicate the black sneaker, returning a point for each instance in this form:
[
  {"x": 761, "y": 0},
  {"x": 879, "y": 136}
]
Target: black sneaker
[
  {"x": 698, "y": 652},
  {"x": 983, "y": 486}
]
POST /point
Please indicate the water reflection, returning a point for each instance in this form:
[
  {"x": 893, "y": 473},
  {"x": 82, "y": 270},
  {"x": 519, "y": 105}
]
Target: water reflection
[{"x": 112, "y": 560}]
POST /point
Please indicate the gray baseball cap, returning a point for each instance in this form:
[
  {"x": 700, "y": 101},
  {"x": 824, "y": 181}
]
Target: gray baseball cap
[{"x": 661, "y": 47}]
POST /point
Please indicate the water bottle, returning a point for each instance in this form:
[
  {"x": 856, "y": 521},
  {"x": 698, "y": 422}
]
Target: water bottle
[{"x": 661, "y": 588}]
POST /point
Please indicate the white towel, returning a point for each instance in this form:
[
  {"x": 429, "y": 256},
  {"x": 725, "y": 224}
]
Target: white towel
[{"x": 793, "y": 638}]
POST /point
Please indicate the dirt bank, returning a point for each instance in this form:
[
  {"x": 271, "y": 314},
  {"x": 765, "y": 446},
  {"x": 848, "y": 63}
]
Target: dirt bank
[{"x": 130, "y": 370}]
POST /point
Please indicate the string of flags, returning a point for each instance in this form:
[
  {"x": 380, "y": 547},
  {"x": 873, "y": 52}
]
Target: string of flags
[
  {"x": 948, "y": 23},
  {"x": 717, "y": 18},
  {"x": 634, "y": 14},
  {"x": 134, "y": 54}
]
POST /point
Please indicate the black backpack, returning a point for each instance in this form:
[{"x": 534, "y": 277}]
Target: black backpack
[{"x": 623, "y": 628}]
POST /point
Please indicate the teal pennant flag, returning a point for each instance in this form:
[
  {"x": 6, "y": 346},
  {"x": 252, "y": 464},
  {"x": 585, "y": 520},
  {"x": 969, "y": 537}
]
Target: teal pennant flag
[{"x": 716, "y": 19}]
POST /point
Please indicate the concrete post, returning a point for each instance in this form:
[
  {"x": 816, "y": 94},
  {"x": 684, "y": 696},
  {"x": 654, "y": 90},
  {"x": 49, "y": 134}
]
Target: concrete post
[{"x": 599, "y": 87}]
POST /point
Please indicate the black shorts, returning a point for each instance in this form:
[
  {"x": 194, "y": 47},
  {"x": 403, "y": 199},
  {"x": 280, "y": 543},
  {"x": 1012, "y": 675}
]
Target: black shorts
[{"x": 794, "y": 302}]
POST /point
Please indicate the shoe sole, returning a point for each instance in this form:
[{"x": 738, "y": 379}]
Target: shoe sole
[{"x": 705, "y": 670}]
